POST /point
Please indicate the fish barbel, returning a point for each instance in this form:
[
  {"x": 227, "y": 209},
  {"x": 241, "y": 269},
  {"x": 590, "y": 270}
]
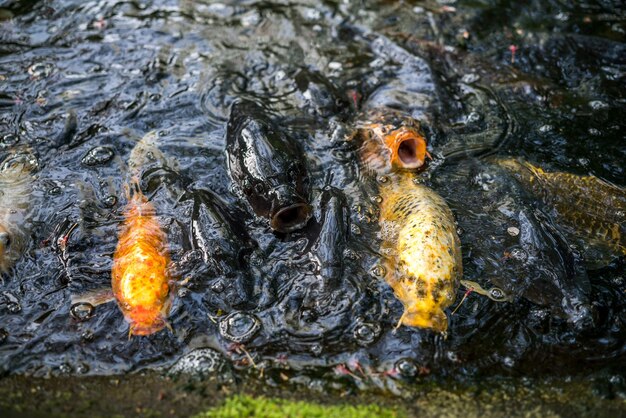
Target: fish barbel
[
  {"x": 140, "y": 278},
  {"x": 16, "y": 182},
  {"x": 588, "y": 207}
]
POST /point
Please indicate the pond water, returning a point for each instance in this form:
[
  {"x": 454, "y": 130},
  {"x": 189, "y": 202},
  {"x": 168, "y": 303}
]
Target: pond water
[{"x": 82, "y": 81}]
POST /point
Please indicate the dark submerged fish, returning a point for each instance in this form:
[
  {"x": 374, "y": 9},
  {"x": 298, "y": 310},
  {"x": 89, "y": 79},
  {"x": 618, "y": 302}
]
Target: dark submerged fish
[
  {"x": 590, "y": 209},
  {"x": 269, "y": 168},
  {"x": 331, "y": 242},
  {"x": 533, "y": 260}
]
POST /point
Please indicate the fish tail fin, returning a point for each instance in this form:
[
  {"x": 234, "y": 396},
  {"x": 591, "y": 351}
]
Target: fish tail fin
[{"x": 434, "y": 319}]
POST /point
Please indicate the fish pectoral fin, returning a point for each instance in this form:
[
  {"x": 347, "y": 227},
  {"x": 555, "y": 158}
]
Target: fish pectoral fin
[{"x": 94, "y": 297}]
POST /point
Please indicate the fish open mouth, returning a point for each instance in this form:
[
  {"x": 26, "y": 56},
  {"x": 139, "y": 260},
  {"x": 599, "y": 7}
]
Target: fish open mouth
[
  {"x": 291, "y": 218},
  {"x": 408, "y": 153}
]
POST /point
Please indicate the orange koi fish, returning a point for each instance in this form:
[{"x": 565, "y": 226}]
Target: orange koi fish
[{"x": 140, "y": 278}]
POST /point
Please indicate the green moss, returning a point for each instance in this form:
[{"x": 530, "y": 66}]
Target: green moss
[{"x": 247, "y": 406}]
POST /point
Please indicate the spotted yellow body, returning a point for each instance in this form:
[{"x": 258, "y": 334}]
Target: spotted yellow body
[{"x": 422, "y": 252}]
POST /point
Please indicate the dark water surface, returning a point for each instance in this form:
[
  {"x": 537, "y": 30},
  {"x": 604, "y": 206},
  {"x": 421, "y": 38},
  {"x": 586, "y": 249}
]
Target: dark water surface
[{"x": 82, "y": 82}]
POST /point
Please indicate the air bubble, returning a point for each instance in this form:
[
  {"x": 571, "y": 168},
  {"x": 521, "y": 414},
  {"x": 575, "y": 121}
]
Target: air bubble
[
  {"x": 508, "y": 362},
  {"x": 366, "y": 333},
  {"x": 54, "y": 191},
  {"x": 497, "y": 294},
  {"x": 200, "y": 362},
  {"x": 87, "y": 336},
  {"x": 518, "y": 254},
  {"x": 378, "y": 271},
  {"x": 82, "y": 311},
  {"x": 14, "y": 307},
  {"x": 350, "y": 254},
  {"x": 8, "y": 140},
  {"x": 239, "y": 327},
  {"x": 383, "y": 179},
  {"x": 473, "y": 117},
  {"x": 40, "y": 70},
  {"x": 598, "y": 105},
  {"x": 452, "y": 356},
  {"x": 82, "y": 368},
  {"x": 3, "y": 335},
  {"x": 377, "y": 199},
  {"x": 470, "y": 78},
  {"x": 317, "y": 349},
  {"x": 98, "y": 156},
  {"x": 218, "y": 286},
  {"x": 354, "y": 229},
  {"x": 109, "y": 201},
  {"x": 407, "y": 367},
  {"x": 65, "y": 368}
]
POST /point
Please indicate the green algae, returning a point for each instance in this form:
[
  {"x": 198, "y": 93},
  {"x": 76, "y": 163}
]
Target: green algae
[{"x": 247, "y": 406}]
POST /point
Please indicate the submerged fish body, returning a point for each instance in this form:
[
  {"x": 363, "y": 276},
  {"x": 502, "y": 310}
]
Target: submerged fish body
[
  {"x": 268, "y": 167},
  {"x": 590, "y": 209},
  {"x": 423, "y": 253},
  {"x": 16, "y": 183},
  {"x": 140, "y": 278},
  {"x": 519, "y": 249}
]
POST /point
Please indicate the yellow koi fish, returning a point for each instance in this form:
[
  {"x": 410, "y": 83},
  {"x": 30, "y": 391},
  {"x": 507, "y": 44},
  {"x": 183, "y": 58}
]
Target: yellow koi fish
[
  {"x": 140, "y": 277},
  {"x": 419, "y": 240}
]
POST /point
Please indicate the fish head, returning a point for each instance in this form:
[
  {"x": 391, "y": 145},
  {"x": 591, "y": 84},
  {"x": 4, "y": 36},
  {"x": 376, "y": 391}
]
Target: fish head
[
  {"x": 389, "y": 147},
  {"x": 434, "y": 319},
  {"x": 269, "y": 168}
]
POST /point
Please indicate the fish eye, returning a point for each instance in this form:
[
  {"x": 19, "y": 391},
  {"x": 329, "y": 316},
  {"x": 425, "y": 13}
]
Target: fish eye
[{"x": 5, "y": 239}]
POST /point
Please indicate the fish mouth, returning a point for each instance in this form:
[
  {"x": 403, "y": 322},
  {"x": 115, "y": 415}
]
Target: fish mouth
[
  {"x": 408, "y": 148},
  {"x": 291, "y": 218},
  {"x": 408, "y": 153}
]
